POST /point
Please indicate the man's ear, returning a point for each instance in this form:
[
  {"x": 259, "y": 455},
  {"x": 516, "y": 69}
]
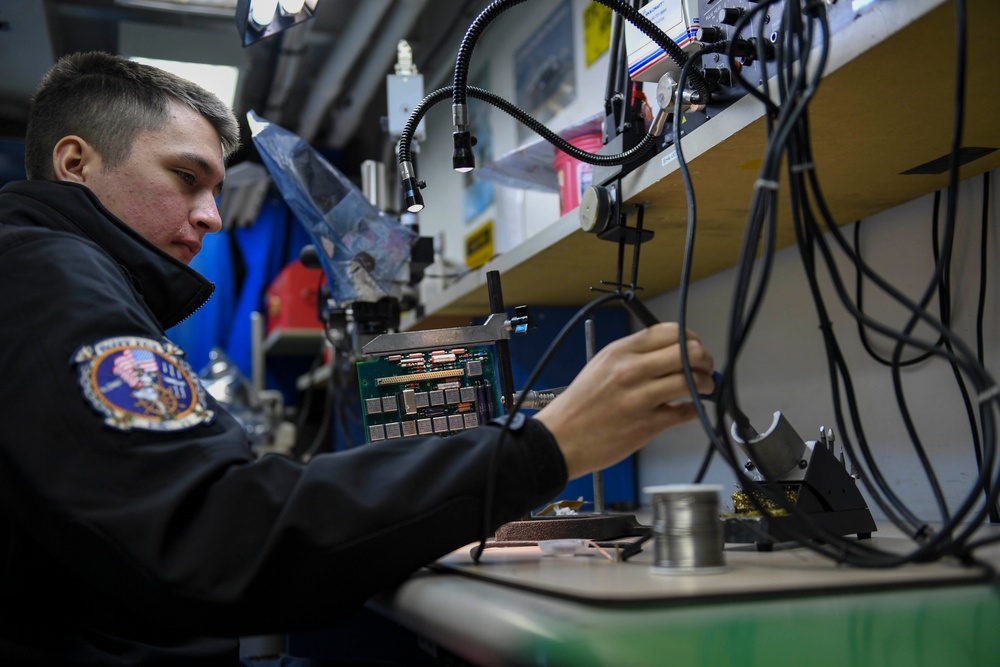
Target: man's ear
[{"x": 73, "y": 159}]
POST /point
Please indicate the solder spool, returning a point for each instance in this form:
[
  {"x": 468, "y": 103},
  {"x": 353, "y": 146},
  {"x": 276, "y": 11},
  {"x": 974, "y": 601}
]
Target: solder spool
[{"x": 687, "y": 532}]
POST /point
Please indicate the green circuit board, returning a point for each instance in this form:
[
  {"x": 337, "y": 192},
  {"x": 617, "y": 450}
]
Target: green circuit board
[{"x": 439, "y": 392}]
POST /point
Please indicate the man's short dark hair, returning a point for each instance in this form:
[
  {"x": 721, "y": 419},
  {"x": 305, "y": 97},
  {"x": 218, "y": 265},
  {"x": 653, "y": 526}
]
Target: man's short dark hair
[{"x": 108, "y": 100}]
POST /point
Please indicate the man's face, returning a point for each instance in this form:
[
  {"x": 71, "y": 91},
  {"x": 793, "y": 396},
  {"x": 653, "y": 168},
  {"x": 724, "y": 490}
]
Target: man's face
[{"x": 166, "y": 189}]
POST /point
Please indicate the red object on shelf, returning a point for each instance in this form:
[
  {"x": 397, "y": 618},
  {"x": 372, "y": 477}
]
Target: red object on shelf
[
  {"x": 293, "y": 298},
  {"x": 575, "y": 176}
]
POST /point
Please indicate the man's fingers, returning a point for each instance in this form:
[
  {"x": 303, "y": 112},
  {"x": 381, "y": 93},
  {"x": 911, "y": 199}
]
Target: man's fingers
[
  {"x": 656, "y": 337},
  {"x": 668, "y": 360},
  {"x": 670, "y": 388}
]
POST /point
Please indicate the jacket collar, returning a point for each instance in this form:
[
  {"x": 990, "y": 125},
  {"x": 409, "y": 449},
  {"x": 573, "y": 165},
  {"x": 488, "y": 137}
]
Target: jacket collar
[{"x": 170, "y": 288}]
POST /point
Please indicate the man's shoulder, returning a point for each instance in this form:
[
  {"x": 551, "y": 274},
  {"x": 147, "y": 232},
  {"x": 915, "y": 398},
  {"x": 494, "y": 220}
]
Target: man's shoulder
[
  {"x": 36, "y": 239},
  {"x": 52, "y": 258}
]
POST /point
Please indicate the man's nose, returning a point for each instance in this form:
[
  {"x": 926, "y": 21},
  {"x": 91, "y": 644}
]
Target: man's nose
[{"x": 206, "y": 216}]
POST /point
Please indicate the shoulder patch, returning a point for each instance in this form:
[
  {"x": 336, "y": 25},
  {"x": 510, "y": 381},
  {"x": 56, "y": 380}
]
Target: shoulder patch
[{"x": 140, "y": 383}]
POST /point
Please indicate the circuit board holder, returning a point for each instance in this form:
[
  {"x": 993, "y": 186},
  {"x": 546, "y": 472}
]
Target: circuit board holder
[{"x": 436, "y": 352}]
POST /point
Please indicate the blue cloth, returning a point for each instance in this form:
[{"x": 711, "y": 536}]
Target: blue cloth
[
  {"x": 242, "y": 263},
  {"x": 208, "y": 327}
]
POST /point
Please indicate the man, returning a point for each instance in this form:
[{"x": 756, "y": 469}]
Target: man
[{"x": 135, "y": 525}]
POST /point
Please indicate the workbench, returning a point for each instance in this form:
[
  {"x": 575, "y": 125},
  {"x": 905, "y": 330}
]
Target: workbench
[{"x": 787, "y": 606}]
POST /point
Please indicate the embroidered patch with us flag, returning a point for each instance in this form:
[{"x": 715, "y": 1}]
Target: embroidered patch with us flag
[{"x": 140, "y": 383}]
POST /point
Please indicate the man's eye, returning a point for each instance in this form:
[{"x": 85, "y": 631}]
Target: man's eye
[{"x": 186, "y": 177}]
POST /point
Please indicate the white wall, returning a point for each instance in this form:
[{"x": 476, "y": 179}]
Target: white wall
[{"x": 784, "y": 364}]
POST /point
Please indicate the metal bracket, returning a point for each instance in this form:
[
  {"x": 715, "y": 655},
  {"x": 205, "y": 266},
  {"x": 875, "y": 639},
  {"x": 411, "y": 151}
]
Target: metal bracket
[{"x": 496, "y": 327}]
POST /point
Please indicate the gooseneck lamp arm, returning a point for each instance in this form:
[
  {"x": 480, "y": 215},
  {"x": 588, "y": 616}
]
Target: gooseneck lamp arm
[
  {"x": 463, "y": 159},
  {"x": 412, "y": 186}
]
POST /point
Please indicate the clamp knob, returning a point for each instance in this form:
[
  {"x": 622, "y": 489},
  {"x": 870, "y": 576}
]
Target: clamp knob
[{"x": 596, "y": 205}]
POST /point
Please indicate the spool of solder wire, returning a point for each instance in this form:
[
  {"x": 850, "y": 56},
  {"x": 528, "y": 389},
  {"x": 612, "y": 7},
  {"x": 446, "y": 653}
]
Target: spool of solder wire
[{"x": 687, "y": 531}]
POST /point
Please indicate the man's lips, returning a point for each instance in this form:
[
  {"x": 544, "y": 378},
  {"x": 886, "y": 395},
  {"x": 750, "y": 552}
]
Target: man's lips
[{"x": 188, "y": 249}]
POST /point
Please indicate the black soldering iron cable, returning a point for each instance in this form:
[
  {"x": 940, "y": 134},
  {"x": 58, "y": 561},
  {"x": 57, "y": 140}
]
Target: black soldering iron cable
[
  {"x": 715, "y": 439},
  {"x": 928, "y": 551},
  {"x": 988, "y": 382},
  {"x": 792, "y": 92},
  {"x": 760, "y": 209},
  {"x": 934, "y": 548},
  {"x": 808, "y": 159},
  {"x": 794, "y": 103},
  {"x": 945, "y": 253},
  {"x": 726, "y": 400},
  {"x": 799, "y": 162},
  {"x": 859, "y": 282},
  {"x": 719, "y": 439},
  {"x": 810, "y": 235},
  {"x": 796, "y": 91},
  {"x": 736, "y": 69},
  {"x": 940, "y": 281},
  {"x": 981, "y": 309},
  {"x": 809, "y": 238},
  {"x": 987, "y": 429},
  {"x": 842, "y": 293},
  {"x": 983, "y": 262},
  {"x": 880, "y": 482},
  {"x": 764, "y": 208},
  {"x": 985, "y": 410}
]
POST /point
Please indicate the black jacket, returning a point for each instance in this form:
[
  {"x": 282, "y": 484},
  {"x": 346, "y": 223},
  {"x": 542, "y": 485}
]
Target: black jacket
[{"x": 126, "y": 540}]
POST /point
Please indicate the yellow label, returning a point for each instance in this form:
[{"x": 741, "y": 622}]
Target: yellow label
[
  {"x": 479, "y": 246},
  {"x": 596, "y": 31}
]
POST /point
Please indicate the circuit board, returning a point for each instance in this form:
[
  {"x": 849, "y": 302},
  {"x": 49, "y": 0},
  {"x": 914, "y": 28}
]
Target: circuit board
[{"x": 422, "y": 393}]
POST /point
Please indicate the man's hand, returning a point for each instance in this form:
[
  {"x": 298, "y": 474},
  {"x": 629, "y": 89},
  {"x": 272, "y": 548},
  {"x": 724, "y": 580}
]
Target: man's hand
[{"x": 631, "y": 390}]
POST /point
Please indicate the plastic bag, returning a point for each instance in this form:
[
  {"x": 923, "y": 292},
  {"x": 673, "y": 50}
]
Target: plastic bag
[{"x": 364, "y": 251}]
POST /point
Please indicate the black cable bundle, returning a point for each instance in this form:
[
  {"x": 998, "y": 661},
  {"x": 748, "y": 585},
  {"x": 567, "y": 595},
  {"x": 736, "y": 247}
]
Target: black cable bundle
[
  {"x": 801, "y": 49},
  {"x": 804, "y": 36}
]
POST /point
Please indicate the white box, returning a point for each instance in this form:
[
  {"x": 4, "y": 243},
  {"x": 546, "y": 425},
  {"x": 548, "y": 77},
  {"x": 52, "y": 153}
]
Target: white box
[{"x": 679, "y": 19}]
